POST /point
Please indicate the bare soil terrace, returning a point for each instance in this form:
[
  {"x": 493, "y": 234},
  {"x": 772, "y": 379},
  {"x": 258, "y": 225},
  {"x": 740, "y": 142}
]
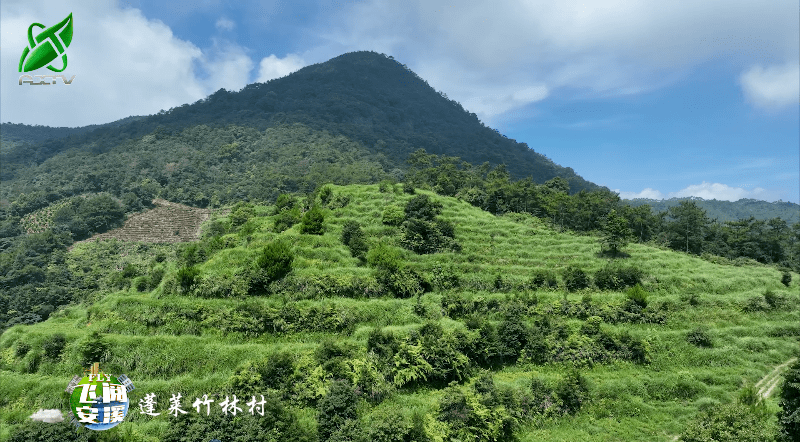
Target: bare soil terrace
[{"x": 168, "y": 222}]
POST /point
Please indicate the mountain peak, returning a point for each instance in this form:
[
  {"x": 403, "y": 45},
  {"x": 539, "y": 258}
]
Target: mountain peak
[{"x": 367, "y": 97}]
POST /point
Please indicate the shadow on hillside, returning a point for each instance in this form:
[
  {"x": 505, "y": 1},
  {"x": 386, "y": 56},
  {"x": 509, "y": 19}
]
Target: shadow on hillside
[{"x": 612, "y": 255}]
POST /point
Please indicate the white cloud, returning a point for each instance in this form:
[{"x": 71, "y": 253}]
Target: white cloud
[
  {"x": 273, "y": 67},
  {"x": 227, "y": 66},
  {"x": 124, "y": 64},
  {"x": 599, "y": 48},
  {"x": 772, "y": 87},
  {"x": 705, "y": 190},
  {"x": 225, "y": 24},
  {"x": 646, "y": 193}
]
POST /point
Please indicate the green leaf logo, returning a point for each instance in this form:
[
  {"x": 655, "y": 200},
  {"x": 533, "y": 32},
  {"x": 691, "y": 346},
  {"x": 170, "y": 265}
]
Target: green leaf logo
[{"x": 47, "y": 46}]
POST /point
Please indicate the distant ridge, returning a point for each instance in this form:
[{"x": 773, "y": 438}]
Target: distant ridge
[{"x": 728, "y": 210}]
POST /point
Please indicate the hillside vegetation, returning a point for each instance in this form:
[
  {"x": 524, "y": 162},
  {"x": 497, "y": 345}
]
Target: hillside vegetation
[{"x": 366, "y": 312}]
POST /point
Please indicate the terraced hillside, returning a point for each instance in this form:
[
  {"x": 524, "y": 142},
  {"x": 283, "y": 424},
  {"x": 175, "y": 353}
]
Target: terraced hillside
[
  {"x": 471, "y": 342},
  {"x": 166, "y": 223}
]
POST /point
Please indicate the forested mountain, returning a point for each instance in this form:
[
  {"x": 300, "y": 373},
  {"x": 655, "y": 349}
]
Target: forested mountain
[
  {"x": 372, "y": 100},
  {"x": 729, "y": 211}
]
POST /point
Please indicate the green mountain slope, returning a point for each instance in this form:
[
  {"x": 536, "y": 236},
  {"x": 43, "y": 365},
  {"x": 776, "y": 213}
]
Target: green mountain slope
[
  {"x": 374, "y": 344},
  {"x": 370, "y": 99}
]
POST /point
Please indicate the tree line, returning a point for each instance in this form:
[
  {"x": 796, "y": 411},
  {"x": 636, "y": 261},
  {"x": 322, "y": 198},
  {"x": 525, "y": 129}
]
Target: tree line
[{"x": 684, "y": 227}]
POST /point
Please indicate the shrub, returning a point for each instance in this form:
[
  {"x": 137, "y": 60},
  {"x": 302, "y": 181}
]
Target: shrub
[
  {"x": 543, "y": 397},
  {"x": 54, "y": 345},
  {"x": 513, "y": 335},
  {"x": 755, "y": 304},
  {"x": 455, "y": 305},
  {"x": 788, "y": 417},
  {"x": 384, "y": 257},
  {"x": 637, "y": 295},
  {"x": 333, "y": 355},
  {"x": 188, "y": 277},
  {"x": 286, "y": 219},
  {"x": 617, "y": 278},
  {"x": 22, "y": 349},
  {"x": 573, "y": 391},
  {"x": 141, "y": 283},
  {"x": 339, "y": 201},
  {"x": 312, "y": 222},
  {"x": 575, "y": 279},
  {"x": 32, "y": 361},
  {"x": 728, "y": 423},
  {"x": 215, "y": 228},
  {"x": 34, "y": 431},
  {"x": 699, "y": 337},
  {"x": 393, "y": 215},
  {"x": 404, "y": 283},
  {"x": 325, "y": 195},
  {"x": 408, "y": 188},
  {"x": 422, "y": 207},
  {"x": 336, "y": 409},
  {"x": 284, "y": 202},
  {"x": 240, "y": 213},
  {"x": 94, "y": 348},
  {"x": 277, "y": 424},
  {"x": 388, "y": 427},
  {"x": 383, "y": 344},
  {"x": 592, "y": 326},
  {"x": 385, "y": 186},
  {"x": 544, "y": 279},
  {"x": 772, "y": 299},
  {"x": 156, "y": 275},
  {"x": 353, "y": 237},
  {"x": 786, "y": 279},
  {"x": 445, "y": 278},
  {"x": 277, "y": 371},
  {"x": 275, "y": 261}
]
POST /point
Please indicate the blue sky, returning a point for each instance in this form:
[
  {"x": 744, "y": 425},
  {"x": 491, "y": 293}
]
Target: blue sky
[{"x": 649, "y": 98}]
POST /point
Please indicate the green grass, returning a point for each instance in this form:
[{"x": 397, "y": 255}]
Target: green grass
[{"x": 168, "y": 343}]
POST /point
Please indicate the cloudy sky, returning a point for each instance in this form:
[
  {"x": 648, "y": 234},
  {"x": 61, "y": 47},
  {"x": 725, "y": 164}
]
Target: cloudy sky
[{"x": 650, "y": 98}]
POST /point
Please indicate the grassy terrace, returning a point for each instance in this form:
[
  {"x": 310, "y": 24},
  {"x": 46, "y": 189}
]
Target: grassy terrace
[{"x": 168, "y": 342}]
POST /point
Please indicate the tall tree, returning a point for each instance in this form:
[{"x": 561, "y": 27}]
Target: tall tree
[
  {"x": 777, "y": 235},
  {"x": 616, "y": 232},
  {"x": 688, "y": 226}
]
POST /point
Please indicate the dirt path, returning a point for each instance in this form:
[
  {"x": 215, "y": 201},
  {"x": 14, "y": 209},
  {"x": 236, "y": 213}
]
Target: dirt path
[
  {"x": 765, "y": 386},
  {"x": 771, "y": 380}
]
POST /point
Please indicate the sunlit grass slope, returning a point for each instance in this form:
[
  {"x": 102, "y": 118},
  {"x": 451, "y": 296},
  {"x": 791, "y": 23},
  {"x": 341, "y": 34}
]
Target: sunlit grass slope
[{"x": 168, "y": 342}]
